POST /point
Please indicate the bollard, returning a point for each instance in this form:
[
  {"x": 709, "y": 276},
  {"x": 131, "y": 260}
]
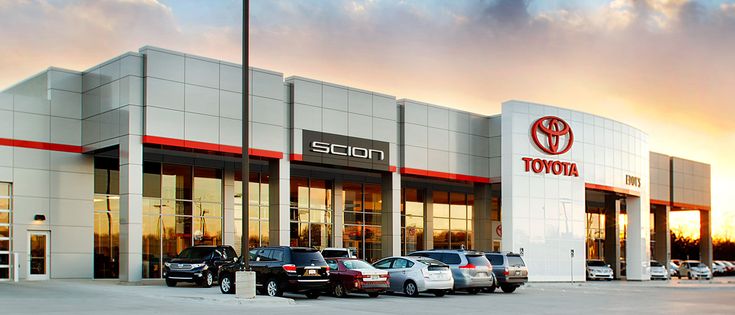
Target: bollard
[
  {"x": 245, "y": 284},
  {"x": 16, "y": 270}
]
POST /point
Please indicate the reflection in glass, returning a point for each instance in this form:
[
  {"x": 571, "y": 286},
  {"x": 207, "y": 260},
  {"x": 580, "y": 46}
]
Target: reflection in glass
[
  {"x": 152, "y": 246},
  {"x": 452, "y": 219},
  {"x": 311, "y": 212},
  {"x": 412, "y": 220},
  {"x": 258, "y": 209},
  {"x": 38, "y": 254},
  {"x": 106, "y": 239}
]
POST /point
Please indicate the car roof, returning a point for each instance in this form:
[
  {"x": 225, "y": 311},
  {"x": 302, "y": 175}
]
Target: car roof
[{"x": 457, "y": 251}]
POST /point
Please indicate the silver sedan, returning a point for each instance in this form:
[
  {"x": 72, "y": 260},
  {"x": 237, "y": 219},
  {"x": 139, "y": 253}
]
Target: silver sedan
[{"x": 414, "y": 275}]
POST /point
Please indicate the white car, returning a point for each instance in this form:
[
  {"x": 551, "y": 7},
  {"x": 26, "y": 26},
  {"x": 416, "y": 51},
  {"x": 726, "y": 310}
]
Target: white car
[
  {"x": 335, "y": 252},
  {"x": 658, "y": 271},
  {"x": 598, "y": 269},
  {"x": 694, "y": 269},
  {"x": 413, "y": 275},
  {"x": 718, "y": 268},
  {"x": 673, "y": 269}
]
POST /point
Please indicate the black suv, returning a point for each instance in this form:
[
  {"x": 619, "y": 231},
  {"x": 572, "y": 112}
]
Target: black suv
[
  {"x": 282, "y": 269},
  {"x": 199, "y": 264},
  {"x": 509, "y": 269}
]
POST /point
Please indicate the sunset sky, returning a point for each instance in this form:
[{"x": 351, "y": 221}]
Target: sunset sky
[{"x": 664, "y": 66}]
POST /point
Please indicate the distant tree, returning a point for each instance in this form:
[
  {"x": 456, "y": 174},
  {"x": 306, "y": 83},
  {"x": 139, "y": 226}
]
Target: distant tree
[
  {"x": 687, "y": 248},
  {"x": 723, "y": 249}
]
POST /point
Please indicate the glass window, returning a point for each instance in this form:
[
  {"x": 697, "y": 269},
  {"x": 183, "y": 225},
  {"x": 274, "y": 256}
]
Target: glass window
[
  {"x": 6, "y": 221},
  {"x": 207, "y": 185},
  {"x": 400, "y": 263},
  {"x": 151, "y": 179},
  {"x": 176, "y": 182},
  {"x": 363, "y": 204},
  {"x": 412, "y": 220},
  {"x": 384, "y": 264},
  {"x": 106, "y": 217},
  {"x": 311, "y": 212},
  {"x": 258, "y": 209},
  {"x": 452, "y": 219},
  {"x": 106, "y": 176},
  {"x": 151, "y": 246}
]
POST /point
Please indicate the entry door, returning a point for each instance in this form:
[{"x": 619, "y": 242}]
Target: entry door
[{"x": 38, "y": 255}]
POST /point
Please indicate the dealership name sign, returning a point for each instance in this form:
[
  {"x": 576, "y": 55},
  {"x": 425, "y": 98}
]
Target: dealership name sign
[
  {"x": 340, "y": 150},
  {"x": 553, "y": 136}
]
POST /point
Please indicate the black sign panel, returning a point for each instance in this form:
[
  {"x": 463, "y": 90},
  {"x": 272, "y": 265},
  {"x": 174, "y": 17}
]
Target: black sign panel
[{"x": 327, "y": 148}]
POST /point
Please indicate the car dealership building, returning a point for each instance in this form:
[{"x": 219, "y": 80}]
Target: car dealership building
[{"x": 108, "y": 172}]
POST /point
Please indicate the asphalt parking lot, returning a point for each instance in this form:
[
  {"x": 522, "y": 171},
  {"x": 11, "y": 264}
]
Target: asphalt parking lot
[{"x": 110, "y": 297}]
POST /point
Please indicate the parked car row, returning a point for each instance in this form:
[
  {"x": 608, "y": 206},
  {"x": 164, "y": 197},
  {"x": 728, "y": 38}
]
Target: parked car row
[
  {"x": 723, "y": 268},
  {"x": 303, "y": 270}
]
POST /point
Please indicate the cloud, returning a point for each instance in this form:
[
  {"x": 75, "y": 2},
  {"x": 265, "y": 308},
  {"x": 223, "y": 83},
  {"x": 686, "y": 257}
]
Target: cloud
[{"x": 79, "y": 34}]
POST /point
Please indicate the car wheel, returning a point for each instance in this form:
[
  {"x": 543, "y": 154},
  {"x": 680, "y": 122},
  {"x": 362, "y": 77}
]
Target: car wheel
[
  {"x": 339, "y": 291},
  {"x": 473, "y": 291},
  {"x": 207, "y": 280},
  {"x": 272, "y": 288},
  {"x": 170, "y": 283},
  {"x": 489, "y": 289},
  {"x": 227, "y": 284},
  {"x": 373, "y": 294},
  {"x": 508, "y": 288},
  {"x": 312, "y": 294},
  {"x": 411, "y": 289},
  {"x": 439, "y": 293}
]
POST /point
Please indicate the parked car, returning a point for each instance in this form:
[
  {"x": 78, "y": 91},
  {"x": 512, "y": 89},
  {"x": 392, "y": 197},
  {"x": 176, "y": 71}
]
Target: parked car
[
  {"x": 333, "y": 252},
  {"x": 598, "y": 269},
  {"x": 509, "y": 269},
  {"x": 199, "y": 264},
  {"x": 414, "y": 275},
  {"x": 718, "y": 268},
  {"x": 471, "y": 270},
  {"x": 673, "y": 270},
  {"x": 658, "y": 271},
  {"x": 729, "y": 267},
  {"x": 282, "y": 269},
  {"x": 694, "y": 269},
  {"x": 348, "y": 275}
]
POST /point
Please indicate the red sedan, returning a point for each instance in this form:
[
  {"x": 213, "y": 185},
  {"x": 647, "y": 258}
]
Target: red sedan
[{"x": 352, "y": 275}]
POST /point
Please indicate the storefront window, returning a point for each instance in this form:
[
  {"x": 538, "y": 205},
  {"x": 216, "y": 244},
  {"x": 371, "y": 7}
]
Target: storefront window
[
  {"x": 412, "y": 220},
  {"x": 311, "y": 212},
  {"x": 182, "y": 206},
  {"x": 595, "y": 233},
  {"x": 6, "y": 222},
  {"x": 257, "y": 210},
  {"x": 362, "y": 219},
  {"x": 452, "y": 219},
  {"x": 106, "y": 218}
]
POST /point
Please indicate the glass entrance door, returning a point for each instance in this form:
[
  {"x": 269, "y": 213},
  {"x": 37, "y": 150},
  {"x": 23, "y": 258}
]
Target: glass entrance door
[{"x": 38, "y": 265}]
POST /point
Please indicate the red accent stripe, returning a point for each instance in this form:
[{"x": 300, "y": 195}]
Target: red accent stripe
[
  {"x": 612, "y": 189},
  {"x": 206, "y": 146},
  {"x": 442, "y": 175},
  {"x": 41, "y": 145},
  {"x": 296, "y": 157},
  {"x": 660, "y": 202},
  {"x": 690, "y": 206},
  {"x": 392, "y": 169}
]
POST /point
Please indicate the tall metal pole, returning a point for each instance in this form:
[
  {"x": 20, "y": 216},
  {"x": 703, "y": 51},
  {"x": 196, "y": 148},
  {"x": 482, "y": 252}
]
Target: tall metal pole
[{"x": 244, "y": 239}]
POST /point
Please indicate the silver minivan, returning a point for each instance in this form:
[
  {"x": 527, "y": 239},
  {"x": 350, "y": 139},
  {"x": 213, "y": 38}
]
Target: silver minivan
[
  {"x": 413, "y": 275},
  {"x": 471, "y": 270}
]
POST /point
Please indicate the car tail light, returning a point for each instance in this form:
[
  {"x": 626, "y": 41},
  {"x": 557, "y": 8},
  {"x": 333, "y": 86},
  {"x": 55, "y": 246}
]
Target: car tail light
[
  {"x": 467, "y": 266},
  {"x": 506, "y": 271},
  {"x": 290, "y": 268},
  {"x": 328, "y": 269}
]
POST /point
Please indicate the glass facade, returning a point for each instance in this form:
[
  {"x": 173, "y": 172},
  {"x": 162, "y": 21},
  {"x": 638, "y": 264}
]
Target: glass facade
[
  {"x": 182, "y": 206},
  {"x": 595, "y": 233},
  {"x": 258, "y": 205},
  {"x": 452, "y": 219},
  {"x": 106, "y": 218},
  {"x": 363, "y": 206},
  {"x": 412, "y": 220},
  {"x": 6, "y": 235},
  {"x": 311, "y": 212}
]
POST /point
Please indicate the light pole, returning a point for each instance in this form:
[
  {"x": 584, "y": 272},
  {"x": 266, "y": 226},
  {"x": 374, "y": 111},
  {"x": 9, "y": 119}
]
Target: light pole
[{"x": 244, "y": 238}]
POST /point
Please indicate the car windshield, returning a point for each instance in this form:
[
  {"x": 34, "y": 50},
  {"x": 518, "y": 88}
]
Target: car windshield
[
  {"x": 700, "y": 265},
  {"x": 195, "y": 252},
  {"x": 430, "y": 261},
  {"x": 357, "y": 264},
  {"x": 656, "y": 264},
  {"x": 334, "y": 253},
  {"x": 596, "y": 263},
  {"x": 307, "y": 257},
  {"x": 478, "y": 260},
  {"x": 515, "y": 261}
]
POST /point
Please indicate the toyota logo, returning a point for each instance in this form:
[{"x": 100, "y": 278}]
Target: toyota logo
[{"x": 547, "y": 132}]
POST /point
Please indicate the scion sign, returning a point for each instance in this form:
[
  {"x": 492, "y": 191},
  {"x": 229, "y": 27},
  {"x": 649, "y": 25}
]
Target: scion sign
[{"x": 327, "y": 148}]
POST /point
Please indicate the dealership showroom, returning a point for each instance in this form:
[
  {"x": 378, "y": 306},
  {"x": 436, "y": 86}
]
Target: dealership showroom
[{"x": 111, "y": 171}]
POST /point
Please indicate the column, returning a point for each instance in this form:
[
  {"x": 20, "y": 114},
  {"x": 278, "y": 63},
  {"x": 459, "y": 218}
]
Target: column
[
  {"x": 705, "y": 237},
  {"x": 661, "y": 230},
  {"x": 338, "y": 223},
  {"x": 429, "y": 217},
  {"x": 229, "y": 202},
  {"x": 279, "y": 195},
  {"x": 638, "y": 244},
  {"x": 391, "y": 215},
  {"x": 482, "y": 224},
  {"x": 131, "y": 208},
  {"x": 612, "y": 233}
]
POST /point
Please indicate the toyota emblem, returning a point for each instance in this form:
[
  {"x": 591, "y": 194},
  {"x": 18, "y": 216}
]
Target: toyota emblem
[{"x": 552, "y": 135}]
